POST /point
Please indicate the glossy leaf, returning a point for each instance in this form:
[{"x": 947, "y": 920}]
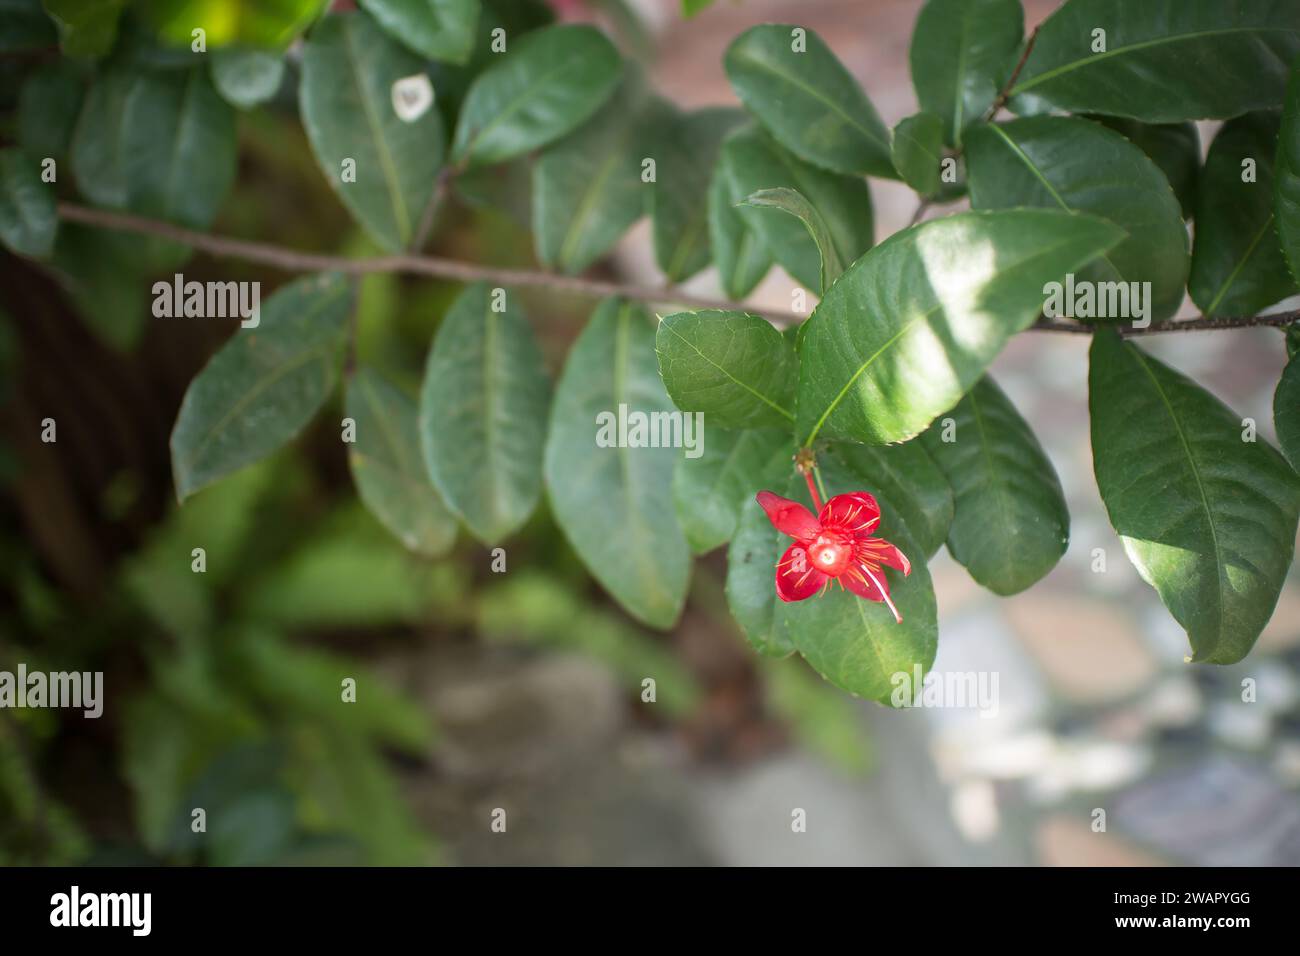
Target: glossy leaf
[
  {"x": 1059, "y": 162},
  {"x": 905, "y": 475},
  {"x": 1208, "y": 519},
  {"x": 1286, "y": 181},
  {"x": 754, "y": 162},
  {"x": 912, "y": 324},
  {"x": 739, "y": 254},
  {"x": 734, "y": 367},
  {"x": 916, "y": 145},
  {"x": 483, "y": 413},
  {"x": 790, "y": 80},
  {"x": 614, "y": 503},
  {"x": 1163, "y": 60},
  {"x": 28, "y": 221},
  {"x": 587, "y": 189},
  {"x": 710, "y": 490},
  {"x": 1237, "y": 262},
  {"x": 1286, "y": 412},
  {"x": 1174, "y": 147},
  {"x": 436, "y": 29},
  {"x": 962, "y": 51},
  {"x": 388, "y": 469},
  {"x": 684, "y": 147},
  {"x": 247, "y": 77},
  {"x": 87, "y": 28},
  {"x": 347, "y": 101},
  {"x": 1010, "y": 524},
  {"x": 793, "y": 203},
  {"x": 548, "y": 83},
  {"x": 263, "y": 386}
]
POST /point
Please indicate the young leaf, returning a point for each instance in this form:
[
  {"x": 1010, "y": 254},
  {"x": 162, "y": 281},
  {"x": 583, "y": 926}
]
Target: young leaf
[
  {"x": 790, "y": 80},
  {"x": 1059, "y": 162},
  {"x": 1237, "y": 262},
  {"x": 247, "y": 77},
  {"x": 614, "y": 502},
  {"x": 912, "y": 324},
  {"x": 710, "y": 490},
  {"x": 751, "y": 572},
  {"x": 739, "y": 254},
  {"x": 390, "y": 476},
  {"x": 381, "y": 164},
  {"x": 907, "y": 476},
  {"x": 961, "y": 52},
  {"x": 1163, "y": 61},
  {"x": 483, "y": 413},
  {"x": 263, "y": 386},
  {"x": 27, "y": 215},
  {"x": 916, "y": 146},
  {"x": 87, "y": 28},
  {"x": 1286, "y": 412},
  {"x": 734, "y": 367},
  {"x": 1208, "y": 519},
  {"x": 587, "y": 189},
  {"x": 1010, "y": 524},
  {"x": 684, "y": 147},
  {"x": 1286, "y": 182},
  {"x": 792, "y": 202},
  {"x": 753, "y": 162},
  {"x": 436, "y": 29},
  {"x": 1174, "y": 147},
  {"x": 547, "y": 84}
]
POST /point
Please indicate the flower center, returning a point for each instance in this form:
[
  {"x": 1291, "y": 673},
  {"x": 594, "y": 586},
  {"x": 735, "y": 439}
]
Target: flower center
[{"x": 830, "y": 554}]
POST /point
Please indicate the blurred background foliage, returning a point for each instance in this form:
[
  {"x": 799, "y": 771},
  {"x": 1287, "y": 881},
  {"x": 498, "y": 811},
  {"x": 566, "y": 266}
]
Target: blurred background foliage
[{"x": 223, "y": 688}]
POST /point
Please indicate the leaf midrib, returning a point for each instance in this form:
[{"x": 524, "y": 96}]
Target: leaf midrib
[{"x": 757, "y": 394}]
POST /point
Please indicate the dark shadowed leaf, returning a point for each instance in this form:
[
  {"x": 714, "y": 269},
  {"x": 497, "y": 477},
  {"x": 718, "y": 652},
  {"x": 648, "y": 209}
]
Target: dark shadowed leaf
[
  {"x": 710, "y": 490},
  {"x": 28, "y": 221},
  {"x": 916, "y": 146},
  {"x": 87, "y": 28},
  {"x": 48, "y": 106},
  {"x": 906, "y": 476},
  {"x": 755, "y": 549},
  {"x": 1286, "y": 412},
  {"x": 1286, "y": 183},
  {"x": 97, "y": 140}
]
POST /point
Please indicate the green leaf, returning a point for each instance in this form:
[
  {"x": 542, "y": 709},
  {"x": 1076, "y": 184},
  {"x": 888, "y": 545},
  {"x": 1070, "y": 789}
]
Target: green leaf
[
  {"x": 1208, "y": 519},
  {"x": 790, "y": 80},
  {"x": 24, "y": 26},
  {"x": 1286, "y": 412},
  {"x": 387, "y": 467},
  {"x": 916, "y": 146},
  {"x": 263, "y": 386},
  {"x": 102, "y": 274},
  {"x": 710, "y": 490},
  {"x": 1286, "y": 182},
  {"x": 1058, "y": 162},
  {"x": 734, "y": 367},
  {"x": 48, "y": 106},
  {"x": 684, "y": 147},
  {"x": 1010, "y": 524},
  {"x": 436, "y": 29},
  {"x": 347, "y": 96},
  {"x": 961, "y": 52},
  {"x": 906, "y": 476},
  {"x": 1164, "y": 60},
  {"x": 792, "y": 202},
  {"x": 272, "y": 24},
  {"x": 587, "y": 188},
  {"x": 739, "y": 254},
  {"x": 691, "y": 7},
  {"x": 615, "y": 504},
  {"x": 1237, "y": 262},
  {"x": 247, "y": 77},
  {"x": 1174, "y": 147},
  {"x": 754, "y": 162},
  {"x": 751, "y": 572},
  {"x": 547, "y": 84},
  {"x": 87, "y": 28},
  {"x": 483, "y": 413},
  {"x": 97, "y": 140},
  {"x": 28, "y": 221},
  {"x": 912, "y": 324},
  {"x": 179, "y": 147}
]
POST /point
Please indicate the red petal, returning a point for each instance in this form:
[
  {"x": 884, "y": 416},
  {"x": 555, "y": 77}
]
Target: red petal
[
  {"x": 796, "y": 578},
  {"x": 869, "y": 584},
  {"x": 789, "y": 517},
  {"x": 882, "y": 552},
  {"x": 856, "y": 514}
]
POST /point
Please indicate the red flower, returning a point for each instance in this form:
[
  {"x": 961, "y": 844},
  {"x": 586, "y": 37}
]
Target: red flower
[{"x": 835, "y": 545}]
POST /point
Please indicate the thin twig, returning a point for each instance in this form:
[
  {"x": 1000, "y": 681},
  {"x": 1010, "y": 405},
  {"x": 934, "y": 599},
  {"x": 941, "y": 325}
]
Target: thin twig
[
  {"x": 292, "y": 260},
  {"x": 1004, "y": 94}
]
